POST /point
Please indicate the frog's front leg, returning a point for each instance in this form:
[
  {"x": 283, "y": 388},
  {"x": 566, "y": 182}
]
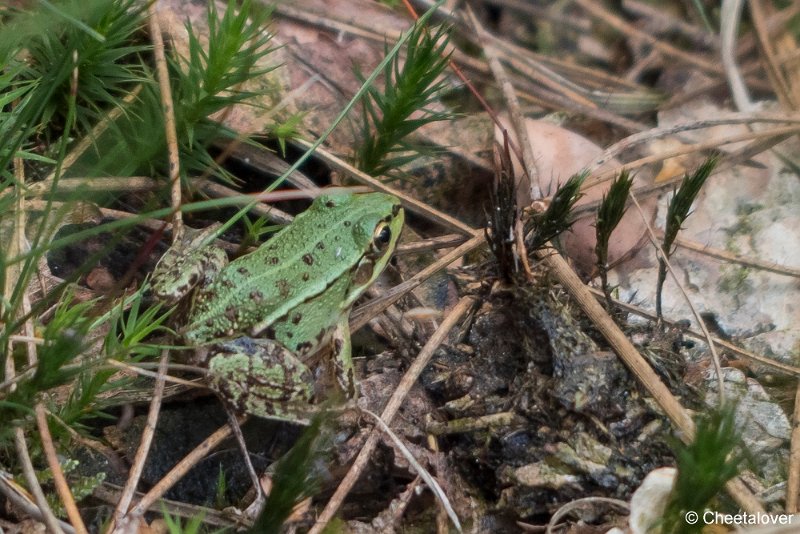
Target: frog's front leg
[
  {"x": 261, "y": 377},
  {"x": 189, "y": 263},
  {"x": 343, "y": 358}
]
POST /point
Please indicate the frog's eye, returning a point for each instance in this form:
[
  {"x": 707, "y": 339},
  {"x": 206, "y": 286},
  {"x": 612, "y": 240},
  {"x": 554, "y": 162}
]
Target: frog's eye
[{"x": 381, "y": 237}]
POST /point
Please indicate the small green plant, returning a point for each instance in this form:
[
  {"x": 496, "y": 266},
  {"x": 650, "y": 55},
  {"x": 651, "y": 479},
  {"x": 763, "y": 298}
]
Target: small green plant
[
  {"x": 221, "y": 490},
  {"x": 80, "y": 485},
  {"x": 211, "y": 78},
  {"x": 542, "y": 227},
  {"x": 677, "y": 212},
  {"x": 610, "y": 212},
  {"x": 503, "y": 214},
  {"x": 130, "y": 327},
  {"x": 94, "y": 56},
  {"x": 255, "y": 230},
  {"x": 411, "y": 87},
  {"x": 295, "y": 478},
  {"x": 206, "y": 82},
  {"x": 704, "y": 466},
  {"x": 288, "y": 129},
  {"x": 64, "y": 340},
  {"x": 193, "y": 526}
]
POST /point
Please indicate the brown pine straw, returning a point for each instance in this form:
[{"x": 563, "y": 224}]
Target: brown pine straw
[{"x": 60, "y": 481}]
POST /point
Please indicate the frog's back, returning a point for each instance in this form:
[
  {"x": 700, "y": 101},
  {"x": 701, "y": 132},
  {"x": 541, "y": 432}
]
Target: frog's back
[{"x": 321, "y": 247}]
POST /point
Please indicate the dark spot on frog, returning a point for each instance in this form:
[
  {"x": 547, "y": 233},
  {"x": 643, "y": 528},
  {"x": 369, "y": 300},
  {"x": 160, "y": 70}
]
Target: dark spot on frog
[
  {"x": 303, "y": 347},
  {"x": 230, "y": 313},
  {"x": 256, "y": 296},
  {"x": 347, "y": 223},
  {"x": 269, "y": 332},
  {"x": 274, "y": 260},
  {"x": 243, "y": 271},
  {"x": 320, "y": 245},
  {"x": 308, "y": 259},
  {"x": 227, "y": 284},
  {"x": 305, "y": 277},
  {"x": 351, "y": 383},
  {"x": 320, "y": 336},
  {"x": 283, "y": 287},
  {"x": 337, "y": 346},
  {"x": 330, "y": 204},
  {"x": 289, "y": 335},
  {"x": 395, "y": 210},
  {"x": 296, "y": 318}
]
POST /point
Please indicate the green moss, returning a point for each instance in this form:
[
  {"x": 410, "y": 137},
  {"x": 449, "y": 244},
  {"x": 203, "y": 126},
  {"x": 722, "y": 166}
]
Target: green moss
[{"x": 733, "y": 279}]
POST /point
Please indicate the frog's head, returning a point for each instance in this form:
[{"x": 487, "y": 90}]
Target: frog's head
[{"x": 376, "y": 220}]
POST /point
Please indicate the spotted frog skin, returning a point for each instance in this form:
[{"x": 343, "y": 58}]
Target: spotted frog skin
[{"x": 258, "y": 320}]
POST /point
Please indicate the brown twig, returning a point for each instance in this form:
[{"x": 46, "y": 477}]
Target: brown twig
[
  {"x": 721, "y": 343},
  {"x": 409, "y": 202},
  {"x": 664, "y": 19},
  {"x": 112, "y": 457},
  {"x": 399, "y": 395},
  {"x": 92, "y": 184},
  {"x": 180, "y": 469},
  {"x": 544, "y": 12},
  {"x": 537, "y": 72},
  {"x": 142, "y": 451},
  {"x": 110, "y": 493},
  {"x": 636, "y": 363},
  {"x": 658, "y": 133},
  {"x": 432, "y": 243},
  {"x": 695, "y": 148},
  {"x": 35, "y": 488},
  {"x": 362, "y": 315},
  {"x": 662, "y": 255},
  {"x": 730, "y": 257},
  {"x": 13, "y": 277},
  {"x": 634, "y": 98},
  {"x": 21, "y": 499},
  {"x": 598, "y": 11},
  {"x": 618, "y": 341},
  {"x": 514, "y": 109},
  {"x": 759, "y": 145},
  {"x": 162, "y": 73},
  {"x": 779, "y": 83},
  {"x": 399, "y": 504},
  {"x": 59, "y": 479},
  {"x": 550, "y": 100},
  {"x": 595, "y": 504}
]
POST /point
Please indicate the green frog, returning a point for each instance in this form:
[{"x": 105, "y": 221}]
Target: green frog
[{"x": 258, "y": 321}]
